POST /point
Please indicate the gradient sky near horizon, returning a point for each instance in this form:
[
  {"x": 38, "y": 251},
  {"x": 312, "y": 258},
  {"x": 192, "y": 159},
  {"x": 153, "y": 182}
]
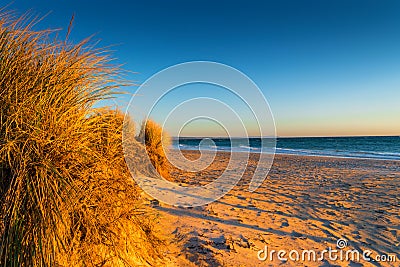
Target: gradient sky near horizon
[{"x": 327, "y": 68}]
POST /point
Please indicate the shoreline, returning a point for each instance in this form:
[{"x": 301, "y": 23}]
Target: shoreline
[{"x": 288, "y": 154}]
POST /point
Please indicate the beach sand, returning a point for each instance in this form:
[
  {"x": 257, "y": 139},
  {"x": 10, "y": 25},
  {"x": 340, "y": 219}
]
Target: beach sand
[{"x": 306, "y": 203}]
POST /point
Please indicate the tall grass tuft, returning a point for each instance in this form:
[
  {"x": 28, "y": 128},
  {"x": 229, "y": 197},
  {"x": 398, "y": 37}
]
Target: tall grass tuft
[
  {"x": 156, "y": 141},
  {"x": 66, "y": 197}
]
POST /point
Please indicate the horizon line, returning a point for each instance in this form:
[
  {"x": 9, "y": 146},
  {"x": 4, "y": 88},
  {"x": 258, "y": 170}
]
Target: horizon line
[{"x": 305, "y": 136}]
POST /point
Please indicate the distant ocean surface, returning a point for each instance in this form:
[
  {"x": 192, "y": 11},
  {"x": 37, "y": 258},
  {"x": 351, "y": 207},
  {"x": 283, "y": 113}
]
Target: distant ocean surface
[{"x": 373, "y": 147}]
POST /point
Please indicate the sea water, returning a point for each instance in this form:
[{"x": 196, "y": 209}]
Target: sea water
[{"x": 366, "y": 147}]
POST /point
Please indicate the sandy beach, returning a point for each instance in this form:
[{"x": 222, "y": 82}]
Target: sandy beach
[
  {"x": 187, "y": 133},
  {"x": 306, "y": 203}
]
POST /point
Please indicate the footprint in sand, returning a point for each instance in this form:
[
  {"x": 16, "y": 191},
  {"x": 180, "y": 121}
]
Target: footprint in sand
[
  {"x": 285, "y": 223},
  {"x": 296, "y": 234},
  {"x": 331, "y": 213}
]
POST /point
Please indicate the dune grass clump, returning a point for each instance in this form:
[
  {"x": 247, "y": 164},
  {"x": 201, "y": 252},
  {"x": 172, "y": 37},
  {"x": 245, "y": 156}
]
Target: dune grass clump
[
  {"x": 66, "y": 196},
  {"x": 156, "y": 141}
]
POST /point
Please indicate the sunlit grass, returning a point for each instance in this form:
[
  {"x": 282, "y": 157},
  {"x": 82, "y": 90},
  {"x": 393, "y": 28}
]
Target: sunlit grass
[
  {"x": 66, "y": 195},
  {"x": 156, "y": 141}
]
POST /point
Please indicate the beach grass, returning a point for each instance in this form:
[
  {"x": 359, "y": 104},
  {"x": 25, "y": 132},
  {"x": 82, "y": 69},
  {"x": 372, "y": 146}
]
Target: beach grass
[
  {"x": 66, "y": 196},
  {"x": 156, "y": 141}
]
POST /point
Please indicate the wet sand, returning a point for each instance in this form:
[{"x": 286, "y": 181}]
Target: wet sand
[{"x": 306, "y": 203}]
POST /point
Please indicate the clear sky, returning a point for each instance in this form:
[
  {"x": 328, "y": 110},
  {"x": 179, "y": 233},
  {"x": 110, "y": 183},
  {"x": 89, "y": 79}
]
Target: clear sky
[{"x": 327, "y": 68}]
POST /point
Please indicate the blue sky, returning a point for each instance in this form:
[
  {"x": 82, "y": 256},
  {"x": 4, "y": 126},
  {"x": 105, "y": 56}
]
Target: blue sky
[{"x": 326, "y": 67}]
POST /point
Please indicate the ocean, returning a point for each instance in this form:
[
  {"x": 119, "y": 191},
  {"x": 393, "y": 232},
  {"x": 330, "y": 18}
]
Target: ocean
[{"x": 366, "y": 147}]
